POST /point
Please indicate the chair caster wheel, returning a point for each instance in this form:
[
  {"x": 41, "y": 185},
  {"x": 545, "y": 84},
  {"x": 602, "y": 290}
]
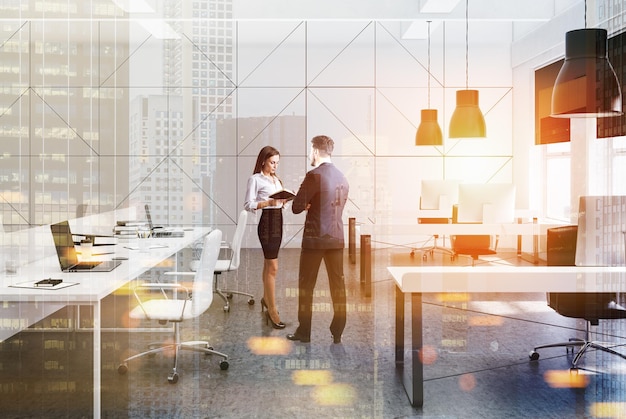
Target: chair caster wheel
[
  {"x": 224, "y": 365},
  {"x": 172, "y": 378},
  {"x": 227, "y": 308},
  {"x": 122, "y": 369},
  {"x": 251, "y": 302},
  {"x": 533, "y": 355}
]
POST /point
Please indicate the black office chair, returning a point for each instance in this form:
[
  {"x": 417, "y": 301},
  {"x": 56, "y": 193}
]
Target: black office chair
[{"x": 561, "y": 251}]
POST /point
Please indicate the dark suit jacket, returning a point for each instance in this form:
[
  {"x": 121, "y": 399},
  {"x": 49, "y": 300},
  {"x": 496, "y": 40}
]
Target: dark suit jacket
[{"x": 325, "y": 188}]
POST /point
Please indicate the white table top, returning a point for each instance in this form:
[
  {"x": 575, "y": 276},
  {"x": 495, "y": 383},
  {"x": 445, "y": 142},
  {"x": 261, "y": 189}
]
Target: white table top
[
  {"x": 92, "y": 286},
  {"x": 502, "y": 229},
  {"x": 509, "y": 279}
]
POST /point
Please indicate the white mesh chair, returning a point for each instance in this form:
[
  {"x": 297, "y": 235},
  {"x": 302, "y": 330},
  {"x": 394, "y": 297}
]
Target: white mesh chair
[
  {"x": 184, "y": 304},
  {"x": 232, "y": 264}
]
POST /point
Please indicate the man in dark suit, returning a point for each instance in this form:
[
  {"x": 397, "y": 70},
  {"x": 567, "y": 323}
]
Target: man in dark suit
[{"x": 323, "y": 194}]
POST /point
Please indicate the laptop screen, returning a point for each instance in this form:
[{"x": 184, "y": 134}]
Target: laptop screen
[
  {"x": 148, "y": 216},
  {"x": 64, "y": 244}
]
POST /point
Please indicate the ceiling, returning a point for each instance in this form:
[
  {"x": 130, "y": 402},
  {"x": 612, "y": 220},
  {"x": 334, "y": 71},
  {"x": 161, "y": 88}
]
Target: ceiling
[
  {"x": 488, "y": 10},
  {"x": 486, "y": 17}
]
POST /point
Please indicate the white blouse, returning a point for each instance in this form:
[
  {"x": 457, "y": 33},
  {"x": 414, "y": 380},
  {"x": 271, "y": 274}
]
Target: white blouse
[{"x": 260, "y": 187}]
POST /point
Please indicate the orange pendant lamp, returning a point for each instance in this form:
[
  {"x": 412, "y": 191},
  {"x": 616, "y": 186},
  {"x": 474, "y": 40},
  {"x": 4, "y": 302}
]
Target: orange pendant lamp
[
  {"x": 429, "y": 131},
  {"x": 467, "y": 119}
]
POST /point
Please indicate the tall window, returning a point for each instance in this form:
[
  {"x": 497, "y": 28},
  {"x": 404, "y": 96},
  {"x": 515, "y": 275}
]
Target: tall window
[{"x": 558, "y": 181}]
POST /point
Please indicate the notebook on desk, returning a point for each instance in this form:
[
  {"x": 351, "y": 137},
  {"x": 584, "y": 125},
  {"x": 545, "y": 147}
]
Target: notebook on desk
[
  {"x": 68, "y": 258},
  {"x": 159, "y": 231}
]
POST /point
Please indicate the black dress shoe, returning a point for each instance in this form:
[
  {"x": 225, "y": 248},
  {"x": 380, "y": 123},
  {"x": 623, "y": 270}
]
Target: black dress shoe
[
  {"x": 336, "y": 339},
  {"x": 296, "y": 338}
]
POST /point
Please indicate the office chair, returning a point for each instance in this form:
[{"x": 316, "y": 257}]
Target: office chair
[
  {"x": 430, "y": 250},
  {"x": 561, "y": 251},
  {"x": 232, "y": 264},
  {"x": 442, "y": 195},
  {"x": 474, "y": 245},
  {"x": 184, "y": 304},
  {"x": 81, "y": 210}
]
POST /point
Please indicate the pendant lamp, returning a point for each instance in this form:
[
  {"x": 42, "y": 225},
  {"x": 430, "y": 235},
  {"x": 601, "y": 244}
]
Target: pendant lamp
[
  {"x": 586, "y": 86},
  {"x": 467, "y": 120},
  {"x": 429, "y": 132}
]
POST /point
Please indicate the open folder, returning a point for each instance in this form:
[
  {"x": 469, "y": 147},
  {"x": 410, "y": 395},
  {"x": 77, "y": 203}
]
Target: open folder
[{"x": 284, "y": 194}]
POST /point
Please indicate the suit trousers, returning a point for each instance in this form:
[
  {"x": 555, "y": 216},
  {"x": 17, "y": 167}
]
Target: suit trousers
[{"x": 310, "y": 260}]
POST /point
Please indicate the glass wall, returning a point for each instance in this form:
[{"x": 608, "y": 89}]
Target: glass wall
[{"x": 109, "y": 108}]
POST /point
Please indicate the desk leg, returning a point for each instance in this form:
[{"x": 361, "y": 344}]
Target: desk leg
[
  {"x": 97, "y": 359},
  {"x": 535, "y": 243},
  {"x": 519, "y": 240},
  {"x": 413, "y": 374},
  {"x": 399, "y": 328}
]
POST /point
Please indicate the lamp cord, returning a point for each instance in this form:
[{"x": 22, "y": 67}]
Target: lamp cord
[
  {"x": 466, "y": 44},
  {"x": 428, "y": 63},
  {"x": 585, "y": 14}
]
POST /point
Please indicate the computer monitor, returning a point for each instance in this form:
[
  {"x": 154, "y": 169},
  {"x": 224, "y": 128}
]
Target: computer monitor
[
  {"x": 439, "y": 193},
  {"x": 486, "y": 203}
]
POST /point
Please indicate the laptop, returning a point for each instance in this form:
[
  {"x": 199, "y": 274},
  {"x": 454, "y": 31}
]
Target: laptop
[
  {"x": 66, "y": 252},
  {"x": 159, "y": 231}
]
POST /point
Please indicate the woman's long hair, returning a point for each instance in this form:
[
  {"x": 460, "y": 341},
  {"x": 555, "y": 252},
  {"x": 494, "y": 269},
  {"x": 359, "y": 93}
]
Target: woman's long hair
[{"x": 265, "y": 153}]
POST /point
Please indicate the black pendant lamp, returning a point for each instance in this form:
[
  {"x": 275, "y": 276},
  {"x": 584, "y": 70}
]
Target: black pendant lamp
[
  {"x": 467, "y": 120},
  {"x": 428, "y": 132},
  {"x": 586, "y": 86}
]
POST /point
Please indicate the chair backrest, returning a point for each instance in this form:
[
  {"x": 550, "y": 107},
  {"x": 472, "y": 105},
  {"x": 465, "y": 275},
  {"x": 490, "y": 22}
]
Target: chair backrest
[
  {"x": 561, "y": 251},
  {"x": 470, "y": 244},
  {"x": 202, "y": 294},
  {"x": 238, "y": 239},
  {"x": 561, "y": 245}
]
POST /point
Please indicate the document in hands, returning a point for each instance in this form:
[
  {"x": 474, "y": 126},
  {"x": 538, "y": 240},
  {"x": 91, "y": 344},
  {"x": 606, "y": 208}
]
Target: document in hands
[{"x": 284, "y": 194}]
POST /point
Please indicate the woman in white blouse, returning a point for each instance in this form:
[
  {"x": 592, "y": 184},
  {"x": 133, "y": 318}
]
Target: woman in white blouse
[{"x": 263, "y": 183}]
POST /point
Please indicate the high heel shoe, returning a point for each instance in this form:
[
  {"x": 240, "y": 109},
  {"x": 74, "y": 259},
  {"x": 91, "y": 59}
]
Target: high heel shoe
[
  {"x": 279, "y": 325},
  {"x": 264, "y": 305}
]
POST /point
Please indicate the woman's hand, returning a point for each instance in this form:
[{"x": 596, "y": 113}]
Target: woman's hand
[{"x": 275, "y": 202}]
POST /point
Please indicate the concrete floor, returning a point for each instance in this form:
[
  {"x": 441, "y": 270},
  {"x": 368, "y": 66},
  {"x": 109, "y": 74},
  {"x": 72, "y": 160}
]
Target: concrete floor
[{"x": 477, "y": 366}]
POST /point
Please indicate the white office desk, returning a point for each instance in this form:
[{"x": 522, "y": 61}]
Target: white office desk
[
  {"x": 416, "y": 280},
  {"x": 91, "y": 288},
  {"x": 520, "y": 229}
]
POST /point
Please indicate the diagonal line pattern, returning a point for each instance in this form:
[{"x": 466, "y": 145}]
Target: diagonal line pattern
[
  {"x": 126, "y": 60},
  {"x": 12, "y": 35},
  {"x": 67, "y": 124},
  {"x": 340, "y": 52},
  {"x": 342, "y": 123},
  {"x": 271, "y": 52},
  {"x": 399, "y": 42},
  {"x": 183, "y": 171},
  {"x": 502, "y": 166},
  {"x": 201, "y": 52},
  {"x": 272, "y": 120},
  {"x": 21, "y": 95}
]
